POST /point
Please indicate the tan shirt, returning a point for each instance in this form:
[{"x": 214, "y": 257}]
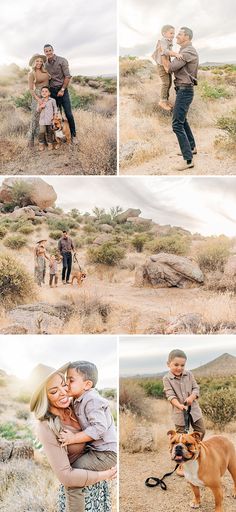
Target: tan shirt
[
  {"x": 181, "y": 388},
  {"x": 58, "y": 68},
  {"x": 37, "y": 79},
  {"x": 185, "y": 70},
  {"x": 60, "y": 461}
]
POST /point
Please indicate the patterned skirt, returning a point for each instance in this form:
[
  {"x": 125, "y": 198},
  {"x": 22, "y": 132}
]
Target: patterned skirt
[
  {"x": 40, "y": 271},
  {"x": 97, "y": 498},
  {"x": 34, "y": 124}
]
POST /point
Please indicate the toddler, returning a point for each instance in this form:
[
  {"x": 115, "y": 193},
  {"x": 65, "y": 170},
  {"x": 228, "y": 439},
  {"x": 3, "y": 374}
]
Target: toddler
[
  {"x": 53, "y": 271},
  {"x": 47, "y": 108}
]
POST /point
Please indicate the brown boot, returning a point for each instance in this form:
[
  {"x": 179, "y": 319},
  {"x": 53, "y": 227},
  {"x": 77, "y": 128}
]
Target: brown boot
[{"x": 50, "y": 146}]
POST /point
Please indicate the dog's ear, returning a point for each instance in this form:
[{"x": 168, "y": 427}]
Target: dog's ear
[
  {"x": 171, "y": 433},
  {"x": 197, "y": 436}
]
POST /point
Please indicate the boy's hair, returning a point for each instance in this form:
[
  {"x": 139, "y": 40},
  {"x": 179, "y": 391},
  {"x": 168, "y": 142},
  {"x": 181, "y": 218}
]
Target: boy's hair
[
  {"x": 176, "y": 353},
  {"x": 188, "y": 32},
  {"x": 88, "y": 370},
  {"x": 165, "y": 28},
  {"x": 45, "y": 87}
]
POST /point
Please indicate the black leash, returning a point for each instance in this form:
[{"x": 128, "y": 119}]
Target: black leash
[
  {"x": 75, "y": 260},
  {"x": 152, "y": 481}
]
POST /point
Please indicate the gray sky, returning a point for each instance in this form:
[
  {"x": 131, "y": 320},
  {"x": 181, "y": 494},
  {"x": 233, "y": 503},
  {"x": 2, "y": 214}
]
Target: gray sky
[
  {"x": 148, "y": 354},
  {"x": 212, "y": 21},
  {"x": 20, "y": 354},
  {"x": 82, "y": 31},
  {"x": 205, "y": 205}
]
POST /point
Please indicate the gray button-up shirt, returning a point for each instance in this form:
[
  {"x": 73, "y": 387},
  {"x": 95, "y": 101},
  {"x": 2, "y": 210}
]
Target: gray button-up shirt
[
  {"x": 47, "y": 113},
  {"x": 58, "y": 69},
  {"x": 163, "y": 47},
  {"x": 185, "y": 70},
  {"x": 65, "y": 245},
  {"x": 95, "y": 418},
  {"x": 181, "y": 388}
]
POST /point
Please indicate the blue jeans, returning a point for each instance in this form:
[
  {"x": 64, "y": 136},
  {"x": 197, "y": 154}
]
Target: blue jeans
[
  {"x": 64, "y": 101},
  {"x": 66, "y": 266},
  {"x": 180, "y": 126}
]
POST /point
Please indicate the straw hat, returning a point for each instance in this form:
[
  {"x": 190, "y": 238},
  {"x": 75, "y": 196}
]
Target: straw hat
[
  {"x": 39, "y": 241},
  {"x": 37, "y": 56},
  {"x": 39, "y": 377}
]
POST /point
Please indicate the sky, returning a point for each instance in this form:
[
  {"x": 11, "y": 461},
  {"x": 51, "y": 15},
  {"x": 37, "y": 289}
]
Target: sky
[
  {"x": 212, "y": 21},
  {"x": 148, "y": 354},
  {"x": 84, "y": 32},
  {"x": 204, "y": 205},
  {"x": 20, "y": 354}
]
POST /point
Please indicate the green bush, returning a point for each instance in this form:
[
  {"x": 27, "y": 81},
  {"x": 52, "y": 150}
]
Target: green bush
[
  {"x": 16, "y": 284},
  {"x": 214, "y": 254},
  {"x": 9, "y": 430},
  {"x": 153, "y": 388},
  {"x": 81, "y": 101},
  {"x": 21, "y": 195},
  {"x": 23, "y": 397},
  {"x": 173, "y": 244},
  {"x": 64, "y": 224},
  {"x": 219, "y": 407},
  {"x": 213, "y": 92},
  {"x": 108, "y": 254},
  {"x": 56, "y": 235},
  {"x": 138, "y": 242},
  {"x": 15, "y": 241},
  {"x": 24, "y": 101},
  {"x": 3, "y": 231},
  {"x": 26, "y": 229},
  {"x": 228, "y": 124}
]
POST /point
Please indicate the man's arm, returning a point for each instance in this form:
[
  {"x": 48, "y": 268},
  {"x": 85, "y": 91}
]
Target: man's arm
[
  {"x": 67, "y": 77},
  {"x": 176, "y": 64}
]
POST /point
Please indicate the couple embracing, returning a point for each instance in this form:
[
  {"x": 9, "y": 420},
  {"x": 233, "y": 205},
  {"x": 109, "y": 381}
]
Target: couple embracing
[{"x": 48, "y": 80}]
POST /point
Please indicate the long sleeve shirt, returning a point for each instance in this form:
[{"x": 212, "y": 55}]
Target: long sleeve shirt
[
  {"x": 181, "y": 388},
  {"x": 60, "y": 461},
  {"x": 58, "y": 68},
  {"x": 65, "y": 245},
  {"x": 163, "y": 48},
  {"x": 95, "y": 419},
  {"x": 185, "y": 70},
  {"x": 47, "y": 113}
]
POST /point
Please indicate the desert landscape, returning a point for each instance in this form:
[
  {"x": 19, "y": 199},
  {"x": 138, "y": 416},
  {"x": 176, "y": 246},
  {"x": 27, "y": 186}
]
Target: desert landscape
[
  {"x": 147, "y": 143},
  {"x": 142, "y": 277},
  {"x": 94, "y": 106},
  {"x": 27, "y": 481},
  {"x": 145, "y": 418}
]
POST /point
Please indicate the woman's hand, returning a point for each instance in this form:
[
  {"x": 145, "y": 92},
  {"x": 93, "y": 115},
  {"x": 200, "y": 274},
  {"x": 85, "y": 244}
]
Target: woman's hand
[
  {"x": 109, "y": 474},
  {"x": 66, "y": 437}
]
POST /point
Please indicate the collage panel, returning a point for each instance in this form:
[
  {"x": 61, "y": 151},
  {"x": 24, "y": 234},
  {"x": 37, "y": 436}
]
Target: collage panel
[
  {"x": 58, "y": 67},
  {"x": 100, "y": 255},
  {"x": 177, "y": 87},
  {"x": 58, "y": 420},
  {"x": 177, "y": 419}
]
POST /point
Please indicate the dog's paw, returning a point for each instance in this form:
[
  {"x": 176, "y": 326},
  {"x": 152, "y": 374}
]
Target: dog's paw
[{"x": 194, "y": 505}]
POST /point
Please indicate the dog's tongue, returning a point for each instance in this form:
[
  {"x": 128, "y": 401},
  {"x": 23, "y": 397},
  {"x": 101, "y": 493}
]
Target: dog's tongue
[{"x": 178, "y": 457}]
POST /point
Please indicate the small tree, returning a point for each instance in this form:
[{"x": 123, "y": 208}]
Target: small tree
[
  {"x": 219, "y": 406},
  {"x": 138, "y": 242},
  {"x": 98, "y": 212},
  {"x": 114, "y": 211}
]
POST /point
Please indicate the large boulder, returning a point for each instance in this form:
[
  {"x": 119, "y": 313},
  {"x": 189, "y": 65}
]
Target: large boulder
[
  {"x": 103, "y": 239},
  {"x": 106, "y": 228},
  {"x": 18, "y": 449},
  {"x": 41, "y": 318},
  {"x": 139, "y": 221},
  {"x": 25, "y": 213},
  {"x": 165, "y": 270},
  {"x": 40, "y": 193},
  {"x": 131, "y": 212},
  {"x": 140, "y": 440}
]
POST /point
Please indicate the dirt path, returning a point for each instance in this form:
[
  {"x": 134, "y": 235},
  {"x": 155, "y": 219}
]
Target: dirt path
[
  {"x": 207, "y": 162},
  {"x": 134, "y": 495}
]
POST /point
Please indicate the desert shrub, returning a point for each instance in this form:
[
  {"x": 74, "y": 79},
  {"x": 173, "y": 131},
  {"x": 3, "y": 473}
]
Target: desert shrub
[
  {"x": 26, "y": 229},
  {"x": 130, "y": 66},
  {"x": 8, "y": 430},
  {"x": 23, "y": 397},
  {"x": 213, "y": 92},
  {"x": 214, "y": 254},
  {"x": 89, "y": 228},
  {"x": 65, "y": 223},
  {"x": 138, "y": 242},
  {"x": 79, "y": 242},
  {"x": 16, "y": 284},
  {"x": 3, "y": 382},
  {"x": 94, "y": 305},
  {"x": 153, "y": 388},
  {"x": 15, "y": 241},
  {"x": 3, "y": 231},
  {"x": 81, "y": 101},
  {"x": 219, "y": 407},
  {"x": 24, "y": 101},
  {"x": 21, "y": 194},
  {"x": 173, "y": 244},
  {"x": 56, "y": 235},
  {"x": 109, "y": 393},
  {"x": 228, "y": 124},
  {"x": 108, "y": 254},
  {"x": 22, "y": 415},
  {"x": 132, "y": 398}
]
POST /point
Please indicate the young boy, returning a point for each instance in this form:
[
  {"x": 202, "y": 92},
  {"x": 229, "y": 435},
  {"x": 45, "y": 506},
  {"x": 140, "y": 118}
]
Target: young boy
[
  {"x": 95, "y": 418},
  {"x": 181, "y": 391},
  {"x": 47, "y": 109},
  {"x": 53, "y": 271},
  {"x": 162, "y": 55}
]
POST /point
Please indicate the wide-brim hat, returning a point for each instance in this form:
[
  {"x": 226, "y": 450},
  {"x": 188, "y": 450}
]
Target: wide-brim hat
[
  {"x": 39, "y": 241},
  {"x": 37, "y": 56},
  {"x": 39, "y": 377}
]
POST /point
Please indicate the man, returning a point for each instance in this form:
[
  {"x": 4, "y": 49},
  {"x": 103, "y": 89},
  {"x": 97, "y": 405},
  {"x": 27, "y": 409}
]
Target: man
[
  {"x": 66, "y": 247},
  {"x": 58, "y": 69},
  {"x": 185, "y": 71}
]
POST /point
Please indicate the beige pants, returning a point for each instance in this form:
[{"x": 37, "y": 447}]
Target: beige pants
[
  {"x": 198, "y": 426},
  {"x": 93, "y": 460},
  {"x": 166, "y": 81}
]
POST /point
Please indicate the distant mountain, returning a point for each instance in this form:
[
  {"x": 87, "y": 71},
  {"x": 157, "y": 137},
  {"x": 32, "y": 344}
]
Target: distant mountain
[
  {"x": 215, "y": 64},
  {"x": 220, "y": 367}
]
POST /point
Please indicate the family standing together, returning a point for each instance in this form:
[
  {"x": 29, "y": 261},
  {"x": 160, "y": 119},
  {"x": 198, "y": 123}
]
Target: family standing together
[
  {"x": 65, "y": 249},
  {"x": 184, "y": 66},
  {"x": 49, "y": 79}
]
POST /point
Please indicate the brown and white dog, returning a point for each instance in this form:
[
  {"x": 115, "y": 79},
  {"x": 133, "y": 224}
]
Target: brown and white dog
[
  {"x": 78, "y": 276},
  {"x": 61, "y": 130},
  {"x": 204, "y": 463}
]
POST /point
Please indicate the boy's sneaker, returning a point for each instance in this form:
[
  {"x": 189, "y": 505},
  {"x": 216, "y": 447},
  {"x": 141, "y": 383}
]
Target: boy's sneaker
[
  {"x": 165, "y": 105},
  {"x": 184, "y": 166},
  {"x": 41, "y": 147},
  {"x": 50, "y": 146}
]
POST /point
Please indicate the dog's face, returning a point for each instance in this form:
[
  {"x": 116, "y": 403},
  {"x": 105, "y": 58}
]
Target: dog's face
[
  {"x": 184, "y": 447},
  {"x": 57, "y": 123}
]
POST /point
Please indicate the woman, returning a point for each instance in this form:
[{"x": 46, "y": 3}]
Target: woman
[
  {"x": 40, "y": 257},
  {"x": 51, "y": 406},
  {"x": 37, "y": 78}
]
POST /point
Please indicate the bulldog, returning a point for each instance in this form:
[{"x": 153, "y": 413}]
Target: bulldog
[{"x": 204, "y": 463}]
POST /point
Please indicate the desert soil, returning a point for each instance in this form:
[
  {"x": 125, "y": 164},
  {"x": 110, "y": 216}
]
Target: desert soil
[{"x": 134, "y": 495}]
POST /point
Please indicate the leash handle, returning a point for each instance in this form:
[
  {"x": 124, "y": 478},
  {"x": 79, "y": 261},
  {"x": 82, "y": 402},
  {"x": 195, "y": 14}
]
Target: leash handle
[
  {"x": 187, "y": 418},
  {"x": 152, "y": 481}
]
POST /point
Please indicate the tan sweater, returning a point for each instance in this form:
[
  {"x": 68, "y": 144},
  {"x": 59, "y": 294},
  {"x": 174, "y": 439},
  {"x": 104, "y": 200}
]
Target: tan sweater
[{"x": 60, "y": 461}]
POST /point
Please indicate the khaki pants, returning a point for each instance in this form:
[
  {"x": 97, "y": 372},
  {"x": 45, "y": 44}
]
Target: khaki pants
[
  {"x": 166, "y": 82},
  {"x": 198, "y": 426},
  {"x": 93, "y": 460}
]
